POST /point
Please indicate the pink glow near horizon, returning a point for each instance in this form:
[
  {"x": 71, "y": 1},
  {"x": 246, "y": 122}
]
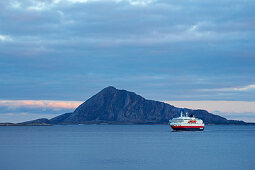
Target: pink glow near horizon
[
  {"x": 234, "y": 107},
  {"x": 40, "y": 103}
]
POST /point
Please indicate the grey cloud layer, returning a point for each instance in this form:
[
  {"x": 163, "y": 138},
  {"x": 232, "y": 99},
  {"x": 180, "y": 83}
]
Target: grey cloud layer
[{"x": 163, "y": 50}]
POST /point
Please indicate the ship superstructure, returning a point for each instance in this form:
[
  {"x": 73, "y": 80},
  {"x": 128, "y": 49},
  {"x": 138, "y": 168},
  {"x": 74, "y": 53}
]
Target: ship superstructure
[{"x": 186, "y": 123}]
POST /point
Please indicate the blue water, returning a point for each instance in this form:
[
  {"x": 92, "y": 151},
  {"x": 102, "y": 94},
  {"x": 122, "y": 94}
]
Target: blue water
[{"x": 124, "y": 147}]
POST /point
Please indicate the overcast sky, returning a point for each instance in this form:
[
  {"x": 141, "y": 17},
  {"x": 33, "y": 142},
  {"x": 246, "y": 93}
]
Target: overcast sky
[{"x": 68, "y": 50}]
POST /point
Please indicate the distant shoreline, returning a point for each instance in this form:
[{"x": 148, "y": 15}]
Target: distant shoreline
[{"x": 105, "y": 123}]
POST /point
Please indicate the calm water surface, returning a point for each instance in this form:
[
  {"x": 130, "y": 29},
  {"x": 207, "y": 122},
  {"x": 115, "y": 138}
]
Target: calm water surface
[{"x": 123, "y": 147}]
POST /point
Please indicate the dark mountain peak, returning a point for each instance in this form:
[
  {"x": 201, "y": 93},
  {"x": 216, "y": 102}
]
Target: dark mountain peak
[
  {"x": 105, "y": 92},
  {"x": 109, "y": 88},
  {"x": 112, "y": 90},
  {"x": 110, "y": 94}
]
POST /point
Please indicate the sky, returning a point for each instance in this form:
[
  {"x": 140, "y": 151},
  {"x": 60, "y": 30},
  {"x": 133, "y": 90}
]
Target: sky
[{"x": 55, "y": 54}]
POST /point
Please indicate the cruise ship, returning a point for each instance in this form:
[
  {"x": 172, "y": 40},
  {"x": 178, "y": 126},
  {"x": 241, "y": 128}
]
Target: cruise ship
[{"x": 187, "y": 123}]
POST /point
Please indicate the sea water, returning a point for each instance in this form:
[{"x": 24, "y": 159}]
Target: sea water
[{"x": 121, "y": 147}]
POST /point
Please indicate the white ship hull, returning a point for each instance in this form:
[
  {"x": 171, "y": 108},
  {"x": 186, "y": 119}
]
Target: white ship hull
[{"x": 186, "y": 123}]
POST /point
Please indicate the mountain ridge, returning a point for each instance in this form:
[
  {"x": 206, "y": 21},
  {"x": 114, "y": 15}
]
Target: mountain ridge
[{"x": 114, "y": 106}]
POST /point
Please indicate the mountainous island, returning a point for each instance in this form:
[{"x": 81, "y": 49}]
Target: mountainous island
[{"x": 114, "y": 106}]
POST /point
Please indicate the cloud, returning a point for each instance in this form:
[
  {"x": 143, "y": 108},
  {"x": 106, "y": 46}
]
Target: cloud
[
  {"x": 238, "y": 110},
  {"x": 222, "y": 106},
  {"x": 242, "y": 88},
  {"x": 24, "y": 110},
  {"x": 46, "y": 5},
  {"x": 14, "y": 104},
  {"x": 4, "y": 38},
  {"x": 38, "y": 6},
  {"x": 91, "y": 44},
  {"x": 15, "y": 4},
  {"x": 131, "y": 2}
]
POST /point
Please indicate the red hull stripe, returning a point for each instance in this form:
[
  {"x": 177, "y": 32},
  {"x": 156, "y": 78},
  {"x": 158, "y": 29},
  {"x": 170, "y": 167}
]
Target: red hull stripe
[{"x": 187, "y": 127}]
